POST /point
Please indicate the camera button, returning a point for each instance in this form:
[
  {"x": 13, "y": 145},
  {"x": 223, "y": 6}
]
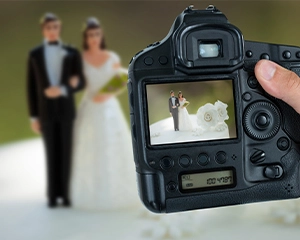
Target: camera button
[
  {"x": 265, "y": 56},
  {"x": 283, "y": 143},
  {"x": 273, "y": 172},
  {"x": 185, "y": 161},
  {"x": 298, "y": 54},
  {"x": 247, "y": 96},
  {"x": 262, "y": 120},
  {"x": 221, "y": 157},
  {"x": 148, "y": 61},
  {"x": 249, "y": 54},
  {"x": 163, "y": 60},
  {"x": 171, "y": 187},
  {"x": 252, "y": 82},
  {"x": 286, "y": 54},
  {"x": 257, "y": 156},
  {"x": 203, "y": 159},
  {"x": 166, "y": 163}
]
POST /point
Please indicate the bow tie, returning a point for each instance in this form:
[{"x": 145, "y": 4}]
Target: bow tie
[
  {"x": 173, "y": 97},
  {"x": 53, "y": 43}
]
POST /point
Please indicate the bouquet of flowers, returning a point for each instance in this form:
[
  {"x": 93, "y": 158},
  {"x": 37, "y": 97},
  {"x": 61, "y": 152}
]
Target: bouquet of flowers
[
  {"x": 213, "y": 116},
  {"x": 116, "y": 84},
  {"x": 186, "y": 104}
]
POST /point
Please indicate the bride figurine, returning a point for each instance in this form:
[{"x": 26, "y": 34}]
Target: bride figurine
[
  {"x": 185, "y": 123},
  {"x": 103, "y": 176}
]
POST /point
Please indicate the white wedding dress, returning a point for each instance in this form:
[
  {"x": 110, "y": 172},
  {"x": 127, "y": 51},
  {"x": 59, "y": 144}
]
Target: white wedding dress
[
  {"x": 103, "y": 173},
  {"x": 184, "y": 120}
]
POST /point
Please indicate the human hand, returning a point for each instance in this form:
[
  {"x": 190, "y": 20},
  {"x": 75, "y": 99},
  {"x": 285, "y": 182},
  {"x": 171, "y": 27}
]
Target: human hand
[
  {"x": 36, "y": 126},
  {"x": 74, "y": 81},
  {"x": 279, "y": 82},
  {"x": 53, "y": 92},
  {"x": 171, "y": 114},
  {"x": 99, "y": 98},
  {"x": 174, "y": 107}
]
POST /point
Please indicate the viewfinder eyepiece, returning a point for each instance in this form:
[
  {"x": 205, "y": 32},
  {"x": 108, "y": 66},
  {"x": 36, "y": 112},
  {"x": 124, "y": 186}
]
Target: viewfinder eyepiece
[{"x": 209, "y": 49}]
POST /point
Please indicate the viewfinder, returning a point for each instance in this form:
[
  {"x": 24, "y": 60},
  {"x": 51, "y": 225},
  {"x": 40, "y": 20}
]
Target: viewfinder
[{"x": 209, "y": 49}]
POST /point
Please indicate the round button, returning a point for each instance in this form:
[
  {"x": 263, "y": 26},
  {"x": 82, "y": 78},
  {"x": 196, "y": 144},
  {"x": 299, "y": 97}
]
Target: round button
[
  {"x": 249, "y": 54},
  {"x": 262, "y": 120},
  {"x": 148, "y": 61},
  {"x": 283, "y": 143},
  {"x": 265, "y": 56},
  {"x": 171, "y": 187},
  {"x": 247, "y": 96},
  {"x": 163, "y": 60},
  {"x": 166, "y": 163},
  {"x": 286, "y": 54},
  {"x": 203, "y": 159},
  {"x": 298, "y": 54},
  {"x": 252, "y": 82},
  {"x": 185, "y": 161},
  {"x": 221, "y": 157}
]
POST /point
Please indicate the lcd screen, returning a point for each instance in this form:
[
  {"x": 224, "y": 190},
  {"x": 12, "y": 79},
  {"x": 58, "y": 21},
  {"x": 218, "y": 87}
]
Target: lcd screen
[{"x": 191, "y": 111}]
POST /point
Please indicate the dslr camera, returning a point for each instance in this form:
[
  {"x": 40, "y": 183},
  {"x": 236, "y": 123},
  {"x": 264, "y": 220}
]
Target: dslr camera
[{"x": 204, "y": 132}]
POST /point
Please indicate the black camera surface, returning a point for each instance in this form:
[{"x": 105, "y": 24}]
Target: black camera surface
[{"x": 226, "y": 141}]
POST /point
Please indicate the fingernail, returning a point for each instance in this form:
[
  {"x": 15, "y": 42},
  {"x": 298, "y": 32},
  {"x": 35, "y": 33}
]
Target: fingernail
[{"x": 267, "y": 70}]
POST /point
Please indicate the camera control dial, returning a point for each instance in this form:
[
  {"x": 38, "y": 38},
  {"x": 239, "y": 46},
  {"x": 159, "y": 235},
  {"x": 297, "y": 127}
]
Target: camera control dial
[{"x": 261, "y": 120}]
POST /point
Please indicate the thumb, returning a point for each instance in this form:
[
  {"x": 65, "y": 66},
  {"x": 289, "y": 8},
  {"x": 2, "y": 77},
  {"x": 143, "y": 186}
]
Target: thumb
[{"x": 279, "y": 82}]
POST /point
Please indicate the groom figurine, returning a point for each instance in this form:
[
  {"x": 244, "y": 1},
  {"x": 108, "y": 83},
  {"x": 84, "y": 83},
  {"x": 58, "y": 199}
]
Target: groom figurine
[
  {"x": 54, "y": 74},
  {"x": 173, "y": 108}
]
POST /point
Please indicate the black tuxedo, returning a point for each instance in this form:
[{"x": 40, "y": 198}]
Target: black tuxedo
[
  {"x": 56, "y": 115},
  {"x": 174, "y": 111},
  {"x": 46, "y": 109}
]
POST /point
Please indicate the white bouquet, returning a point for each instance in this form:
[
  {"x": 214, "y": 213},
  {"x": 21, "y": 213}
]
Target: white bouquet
[{"x": 213, "y": 116}]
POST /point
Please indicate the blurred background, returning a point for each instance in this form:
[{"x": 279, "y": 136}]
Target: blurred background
[{"x": 129, "y": 27}]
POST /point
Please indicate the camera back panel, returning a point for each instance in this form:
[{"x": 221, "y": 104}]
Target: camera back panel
[{"x": 255, "y": 159}]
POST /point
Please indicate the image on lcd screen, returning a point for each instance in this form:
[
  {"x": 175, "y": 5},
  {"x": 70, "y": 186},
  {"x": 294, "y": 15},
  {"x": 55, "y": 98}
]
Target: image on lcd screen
[{"x": 191, "y": 111}]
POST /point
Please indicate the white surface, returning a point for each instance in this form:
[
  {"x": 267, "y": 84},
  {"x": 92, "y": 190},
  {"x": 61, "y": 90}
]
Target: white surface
[
  {"x": 162, "y": 132},
  {"x": 24, "y": 215}
]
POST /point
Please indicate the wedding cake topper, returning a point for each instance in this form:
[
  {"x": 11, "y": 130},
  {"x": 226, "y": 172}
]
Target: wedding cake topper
[{"x": 203, "y": 120}]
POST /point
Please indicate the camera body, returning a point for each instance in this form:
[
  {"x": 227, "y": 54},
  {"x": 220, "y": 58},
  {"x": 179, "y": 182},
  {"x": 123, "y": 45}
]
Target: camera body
[{"x": 242, "y": 149}]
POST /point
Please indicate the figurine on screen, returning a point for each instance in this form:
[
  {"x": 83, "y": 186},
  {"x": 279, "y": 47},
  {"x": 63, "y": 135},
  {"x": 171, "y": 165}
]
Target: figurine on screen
[
  {"x": 185, "y": 122},
  {"x": 173, "y": 108},
  {"x": 54, "y": 74}
]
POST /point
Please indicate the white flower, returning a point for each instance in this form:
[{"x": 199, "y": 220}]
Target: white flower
[
  {"x": 221, "y": 126},
  {"x": 207, "y": 116},
  {"x": 221, "y": 108}
]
